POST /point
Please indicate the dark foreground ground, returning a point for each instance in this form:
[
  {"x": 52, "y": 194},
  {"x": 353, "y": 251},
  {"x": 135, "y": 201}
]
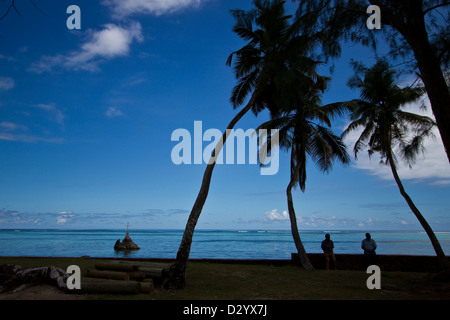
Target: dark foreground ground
[{"x": 216, "y": 280}]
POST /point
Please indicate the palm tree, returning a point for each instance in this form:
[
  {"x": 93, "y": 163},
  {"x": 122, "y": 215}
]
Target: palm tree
[
  {"x": 260, "y": 66},
  {"x": 410, "y": 27},
  {"x": 387, "y": 127},
  {"x": 304, "y": 131}
]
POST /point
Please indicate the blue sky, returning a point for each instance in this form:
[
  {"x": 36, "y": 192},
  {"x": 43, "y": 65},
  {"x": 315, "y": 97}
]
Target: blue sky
[{"x": 86, "y": 118}]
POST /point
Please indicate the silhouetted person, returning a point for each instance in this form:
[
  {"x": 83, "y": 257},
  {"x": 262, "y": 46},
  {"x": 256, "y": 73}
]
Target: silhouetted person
[
  {"x": 327, "y": 247},
  {"x": 369, "y": 246}
]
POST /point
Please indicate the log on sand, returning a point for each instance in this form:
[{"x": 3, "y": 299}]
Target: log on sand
[
  {"x": 114, "y": 275},
  {"x": 115, "y": 287},
  {"x": 150, "y": 269},
  {"x": 146, "y": 264},
  {"x": 156, "y": 273},
  {"x": 113, "y": 266}
]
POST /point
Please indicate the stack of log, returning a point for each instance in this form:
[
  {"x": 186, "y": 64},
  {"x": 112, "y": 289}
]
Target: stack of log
[{"x": 124, "y": 277}]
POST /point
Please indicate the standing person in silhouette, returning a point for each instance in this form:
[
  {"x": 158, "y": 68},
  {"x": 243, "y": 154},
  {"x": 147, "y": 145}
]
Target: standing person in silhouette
[
  {"x": 327, "y": 247},
  {"x": 369, "y": 246}
]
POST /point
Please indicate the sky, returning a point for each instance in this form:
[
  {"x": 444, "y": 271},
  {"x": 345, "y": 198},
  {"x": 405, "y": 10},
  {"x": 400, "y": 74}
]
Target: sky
[{"x": 87, "y": 117}]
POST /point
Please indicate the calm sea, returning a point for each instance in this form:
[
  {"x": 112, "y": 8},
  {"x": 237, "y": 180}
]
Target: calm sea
[{"x": 213, "y": 244}]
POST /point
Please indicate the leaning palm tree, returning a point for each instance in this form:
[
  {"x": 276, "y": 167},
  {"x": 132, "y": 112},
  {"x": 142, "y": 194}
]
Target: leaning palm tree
[
  {"x": 305, "y": 132},
  {"x": 387, "y": 127},
  {"x": 272, "y": 48}
]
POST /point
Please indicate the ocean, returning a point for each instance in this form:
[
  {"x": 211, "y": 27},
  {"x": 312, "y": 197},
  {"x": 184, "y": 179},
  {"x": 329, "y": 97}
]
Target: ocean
[{"x": 207, "y": 244}]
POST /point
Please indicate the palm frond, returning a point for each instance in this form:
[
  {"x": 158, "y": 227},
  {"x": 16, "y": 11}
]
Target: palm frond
[
  {"x": 243, "y": 26},
  {"x": 366, "y": 135},
  {"x": 243, "y": 88},
  {"x": 339, "y": 109}
]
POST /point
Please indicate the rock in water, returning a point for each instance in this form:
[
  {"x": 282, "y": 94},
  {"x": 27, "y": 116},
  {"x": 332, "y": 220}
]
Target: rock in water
[
  {"x": 126, "y": 244},
  {"x": 119, "y": 245}
]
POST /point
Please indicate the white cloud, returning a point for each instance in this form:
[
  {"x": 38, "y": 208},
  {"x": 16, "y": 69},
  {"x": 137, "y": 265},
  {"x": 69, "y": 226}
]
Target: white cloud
[
  {"x": 46, "y": 107},
  {"x": 123, "y": 8},
  {"x": 9, "y": 126},
  {"x": 64, "y": 217},
  {"x": 113, "y": 112},
  {"x": 28, "y": 138},
  {"x": 10, "y": 131},
  {"x": 315, "y": 221},
  {"x": 274, "y": 215},
  {"x": 432, "y": 166},
  {"x": 320, "y": 222},
  {"x": 111, "y": 42},
  {"x": 6, "y": 83},
  {"x": 57, "y": 115},
  {"x": 7, "y": 58},
  {"x": 12, "y": 217}
]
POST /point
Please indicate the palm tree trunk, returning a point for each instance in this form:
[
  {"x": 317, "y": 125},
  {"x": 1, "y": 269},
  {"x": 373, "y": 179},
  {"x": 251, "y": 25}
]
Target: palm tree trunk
[
  {"x": 443, "y": 261},
  {"x": 306, "y": 264},
  {"x": 437, "y": 89},
  {"x": 176, "y": 276}
]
